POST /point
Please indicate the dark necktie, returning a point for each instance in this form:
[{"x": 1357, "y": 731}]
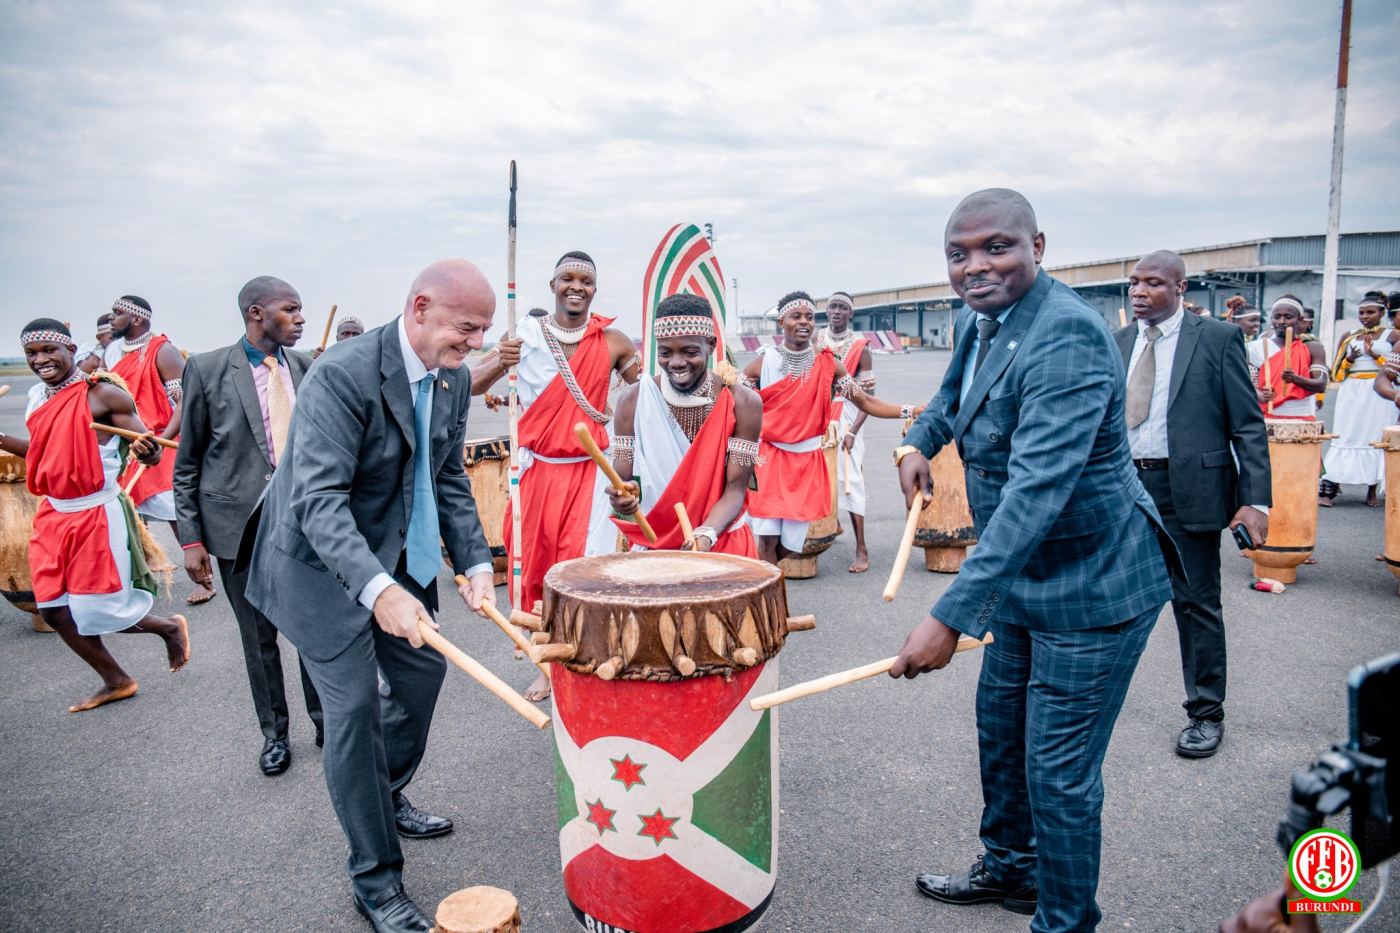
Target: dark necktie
[{"x": 987, "y": 328}]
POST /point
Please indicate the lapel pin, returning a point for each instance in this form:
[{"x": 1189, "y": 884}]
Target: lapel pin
[
  {"x": 1011, "y": 345},
  {"x": 444, "y": 385}
]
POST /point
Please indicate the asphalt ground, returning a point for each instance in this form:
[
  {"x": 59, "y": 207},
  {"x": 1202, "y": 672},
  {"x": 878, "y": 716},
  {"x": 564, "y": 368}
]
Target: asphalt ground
[{"x": 152, "y": 815}]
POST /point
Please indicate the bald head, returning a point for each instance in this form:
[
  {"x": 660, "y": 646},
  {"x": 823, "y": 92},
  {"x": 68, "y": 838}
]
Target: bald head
[
  {"x": 1007, "y": 207},
  {"x": 1166, "y": 262},
  {"x": 262, "y": 291},
  {"x": 448, "y": 310},
  {"x": 1155, "y": 286}
]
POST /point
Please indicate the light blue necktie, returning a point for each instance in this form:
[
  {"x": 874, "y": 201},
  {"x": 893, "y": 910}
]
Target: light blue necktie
[{"x": 424, "y": 550}]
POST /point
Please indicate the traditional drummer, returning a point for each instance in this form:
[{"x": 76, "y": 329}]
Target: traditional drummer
[
  {"x": 689, "y": 436},
  {"x": 797, "y": 382},
  {"x": 1296, "y": 372},
  {"x": 566, "y": 361},
  {"x": 85, "y": 555},
  {"x": 853, "y": 351}
]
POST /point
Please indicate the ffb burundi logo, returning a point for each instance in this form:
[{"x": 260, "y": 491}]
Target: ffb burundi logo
[{"x": 1324, "y": 865}]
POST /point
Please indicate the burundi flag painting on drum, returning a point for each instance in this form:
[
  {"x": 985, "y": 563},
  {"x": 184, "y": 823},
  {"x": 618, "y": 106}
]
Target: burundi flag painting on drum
[
  {"x": 684, "y": 262},
  {"x": 667, "y": 798}
]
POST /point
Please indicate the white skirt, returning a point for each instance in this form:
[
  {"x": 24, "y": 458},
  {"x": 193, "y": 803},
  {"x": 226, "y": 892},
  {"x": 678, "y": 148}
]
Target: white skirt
[{"x": 1360, "y": 417}]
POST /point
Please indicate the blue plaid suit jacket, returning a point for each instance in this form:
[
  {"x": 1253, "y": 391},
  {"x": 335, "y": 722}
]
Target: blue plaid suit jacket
[{"x": 1068, "y": 538}]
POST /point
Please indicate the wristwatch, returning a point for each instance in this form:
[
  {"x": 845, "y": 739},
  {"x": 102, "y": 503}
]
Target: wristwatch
[{"x": 903, "y": 451}]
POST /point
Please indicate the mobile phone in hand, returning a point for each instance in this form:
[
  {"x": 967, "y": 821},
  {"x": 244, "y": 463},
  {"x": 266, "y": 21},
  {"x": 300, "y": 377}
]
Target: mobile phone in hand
[{"x": 1242, "y": 537}]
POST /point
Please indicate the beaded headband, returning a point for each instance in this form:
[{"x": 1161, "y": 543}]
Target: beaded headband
[
  {"x": 48, "y": 336},
  {"x": 349, "y": 320},
  {"x": 1372, "y": 303},
  {"x": 1245, "y": 316},
  {"x": 841, "y": 298},
  {"x": 131, "y": 307},
  {"x": 104, "y": 328},
  {"x": 574, "y": 264},
  {"x": 1290, "y": 303},
  {"x": 796, "y": 303},
  {"x": 684, "y": 325}
]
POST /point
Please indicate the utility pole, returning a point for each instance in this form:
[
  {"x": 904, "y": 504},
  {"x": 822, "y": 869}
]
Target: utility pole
[
  {"x": 737, "y": 312},
  {"x": 1327, "y": 314}
]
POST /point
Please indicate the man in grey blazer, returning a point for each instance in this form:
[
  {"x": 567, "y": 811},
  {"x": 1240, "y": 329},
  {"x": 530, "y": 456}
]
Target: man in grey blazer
[
  {"x": 1198, "y": 442},
  {"x": 232, "y": 430},
  {"x": 344, "y": 554}
]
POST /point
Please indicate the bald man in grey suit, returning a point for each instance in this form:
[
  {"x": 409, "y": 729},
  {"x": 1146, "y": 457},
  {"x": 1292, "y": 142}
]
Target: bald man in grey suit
[{"x": 346, "y": 558}]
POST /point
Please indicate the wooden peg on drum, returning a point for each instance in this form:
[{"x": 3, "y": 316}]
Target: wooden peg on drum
[
  {"x": 591, "y": 448},
  {"x": 473, "y": 669},
  {"x": 133, "y": 435},
  {"x": 479, "y": 909},
  {"x": 4, "y": 391},
  {"x": 842, "y": 678}
]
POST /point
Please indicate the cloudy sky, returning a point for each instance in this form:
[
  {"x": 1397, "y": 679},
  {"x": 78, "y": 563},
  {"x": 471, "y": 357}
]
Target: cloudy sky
[{"x": 176, "y": 149}]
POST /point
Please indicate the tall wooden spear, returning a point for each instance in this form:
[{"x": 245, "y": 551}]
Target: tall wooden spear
[{"x": 512, "y": 394}]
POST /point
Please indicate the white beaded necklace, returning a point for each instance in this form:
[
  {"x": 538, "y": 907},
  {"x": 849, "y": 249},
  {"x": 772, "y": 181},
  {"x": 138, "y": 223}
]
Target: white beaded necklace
[
  {"x": 566, "y": 334},
  {"x": 797, "y": 362}
]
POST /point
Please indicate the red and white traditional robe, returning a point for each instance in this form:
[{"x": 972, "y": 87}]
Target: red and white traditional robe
[
  {"x": 153, "y": 491},
  {"x": 794, "y": 485},
  {"x": 80, "y": 553},
  {"x": 1291, "y": 401},
  {"x": 850, "y": 491},
  {"x": 672, "y": 469},
  {"x": 563, "y": 495}
]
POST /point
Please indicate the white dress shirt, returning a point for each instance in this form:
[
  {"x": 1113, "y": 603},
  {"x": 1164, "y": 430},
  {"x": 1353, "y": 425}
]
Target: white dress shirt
[
  {"x": 1149, "y": 439},
  {"x": 970, "y": 370},
  {"x": 416, "y": 372}
]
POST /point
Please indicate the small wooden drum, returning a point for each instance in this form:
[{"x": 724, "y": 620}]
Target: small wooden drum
[
  {"x": 17, "y": 509},
  {"x": 667, "y": 783},
  {"x": 479, "y": 909},
  {"x": 1295, "y": 464},
  {"x": 822, "y": 533},
  {"x": 487, "y": 461},
  {"x": 1391, "y": 442},
  {"x": 945, "y": 530}
]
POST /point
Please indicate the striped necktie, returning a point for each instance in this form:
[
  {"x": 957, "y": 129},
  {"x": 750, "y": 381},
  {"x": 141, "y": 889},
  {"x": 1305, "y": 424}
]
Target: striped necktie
[{"x": 279, "y": 408}]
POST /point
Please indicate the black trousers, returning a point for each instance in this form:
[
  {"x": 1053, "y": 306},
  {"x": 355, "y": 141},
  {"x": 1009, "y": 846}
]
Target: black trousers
[
  {"x": 1200, "y": 625},
  {"x": 264, "y": 660},
  {"x": 375, "y": 740}
]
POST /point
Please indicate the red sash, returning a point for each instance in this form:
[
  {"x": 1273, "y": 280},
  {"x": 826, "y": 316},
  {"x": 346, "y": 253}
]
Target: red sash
[
  {"x": 556, "y": 499},
  {"x": 63, "y": 460},
  {"x": 796, "y": 487},
  {"x": 153, "y": 406},
  {"x": 851, "y": 363},
  {"x": 699, "y": 483},
  {"x": 1301, "y": 362}
]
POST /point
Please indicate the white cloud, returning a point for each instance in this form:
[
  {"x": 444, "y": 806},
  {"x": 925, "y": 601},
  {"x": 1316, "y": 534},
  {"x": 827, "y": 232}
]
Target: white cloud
[{"x": 175, "y": 150}]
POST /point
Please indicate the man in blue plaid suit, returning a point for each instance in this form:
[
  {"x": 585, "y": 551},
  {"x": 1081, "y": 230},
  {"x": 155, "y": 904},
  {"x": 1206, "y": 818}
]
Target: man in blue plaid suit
[{"x": 1069, "y": 572}]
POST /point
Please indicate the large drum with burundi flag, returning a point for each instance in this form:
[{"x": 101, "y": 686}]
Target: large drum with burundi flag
[{"x": 667, "y": 782}]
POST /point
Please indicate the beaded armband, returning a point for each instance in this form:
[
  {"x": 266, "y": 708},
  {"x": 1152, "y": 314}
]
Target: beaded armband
[
  {"x": 623, "y": 447},
  {"x": 846, "y": 386},
  {"x": 742, "y": 452},
  {"x": 867, "y": 382},
  {"x": 174, "y": 391}
]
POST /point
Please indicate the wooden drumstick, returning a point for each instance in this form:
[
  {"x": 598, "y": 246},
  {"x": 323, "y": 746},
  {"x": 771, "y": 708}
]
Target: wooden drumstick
[
  {"x": 589, "y": 446},
  {"x": 133, "y": 435},
  {"x": 473, "y": 669},
  {"x": 842, "y": 678},
  {"x": 686, "y": 529},
  {"x": 1268, "y": 377},
  {"x": 526, "y": 620},
  {"x": 846, "y": 462},
  {"x": 503, "y": 624},
  {"x": 1287, "y": 347},
  {"x": 326, "y": 334},
  {"x": 906, "y": 543},
  {"x": 135, "y": 477},
  {"x": 4, "y": 391},
  {"x": 801, "y": 623}
]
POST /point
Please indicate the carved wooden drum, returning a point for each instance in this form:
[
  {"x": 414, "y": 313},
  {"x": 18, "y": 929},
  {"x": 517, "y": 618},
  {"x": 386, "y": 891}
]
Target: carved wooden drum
[
  {"x": 487, "y": 461},
  {"x": 1391, "y": 443},
  {"x": 1295, "y": 465},
  {"x": 17, "y": 509},
  {"x": 667, "y": 782},
  {"x": 945, "y": 530},
  {"x": 822, "y": 533}
]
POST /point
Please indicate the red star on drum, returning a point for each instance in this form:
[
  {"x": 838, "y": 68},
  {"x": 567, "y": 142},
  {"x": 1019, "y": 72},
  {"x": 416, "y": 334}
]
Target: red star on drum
[
  {"x": 601, "y": 817},
  {"x": 626, "y": 771},
  {"x": 658, "y": 826}
]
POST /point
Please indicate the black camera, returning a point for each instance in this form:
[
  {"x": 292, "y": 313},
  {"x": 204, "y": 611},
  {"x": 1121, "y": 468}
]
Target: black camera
[{"x": 1362, "y": 774}]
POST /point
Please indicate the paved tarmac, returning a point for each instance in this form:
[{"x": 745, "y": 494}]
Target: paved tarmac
[{"x": 152, "y": 815}]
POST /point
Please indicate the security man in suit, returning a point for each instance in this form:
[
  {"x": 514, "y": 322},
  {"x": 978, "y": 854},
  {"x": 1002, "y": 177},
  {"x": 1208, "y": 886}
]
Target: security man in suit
[
  {"x": 1069, "y": 572},
  {"x": 1192, "y": 417},
  {"x": 347, "y": 552},
  {"x": 233, "y": 431}
]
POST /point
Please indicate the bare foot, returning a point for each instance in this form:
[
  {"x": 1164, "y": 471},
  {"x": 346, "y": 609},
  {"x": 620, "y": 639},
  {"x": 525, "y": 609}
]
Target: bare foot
[
  {"x": 1310, "y": 560},
  {"x": 538, "y": 691},
  {"x": 200, "y": 596},
  {"x": 1373, "y": 500},
  {"x": 861, "y": 564},
  {"x": 177, "y": 646},
  {"x": 122, "y": 691},
  {"x": 1325, "y": 501}
]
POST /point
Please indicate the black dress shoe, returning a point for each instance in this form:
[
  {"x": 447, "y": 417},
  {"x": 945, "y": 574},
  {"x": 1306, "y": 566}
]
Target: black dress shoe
[
  {"x": 276, "y": 757},
  {"x": 320, "y": 737},
  {"x": 414, "y": 823},
  {"x": 392, "y": 911},
  {"x": 1200, "y": 739},
  {"x": 977, "y": 886}
]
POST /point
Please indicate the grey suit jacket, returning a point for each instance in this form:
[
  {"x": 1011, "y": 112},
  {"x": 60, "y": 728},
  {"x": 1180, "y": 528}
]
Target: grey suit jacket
[
  {"x": 223, "y": 464},
  {"x": 1211, "y": 412},
  {"x": 336, "y": 512}
]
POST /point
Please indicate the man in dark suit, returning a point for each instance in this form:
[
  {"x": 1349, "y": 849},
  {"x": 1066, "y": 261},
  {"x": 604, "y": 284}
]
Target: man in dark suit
[
  {"x": 1069, "y": 572},
  {"x": 347, "y": 553},
  {"x": 1192, "y": 417},
  {"x": 233, "y": 426}
]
